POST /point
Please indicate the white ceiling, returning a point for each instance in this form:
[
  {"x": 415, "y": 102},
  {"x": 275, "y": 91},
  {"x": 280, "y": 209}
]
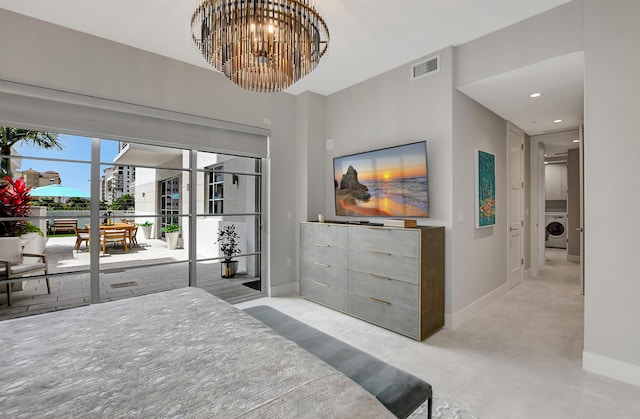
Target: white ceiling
[
  {"x": 559, "y": 79},
  {"x": 368, "y": 37}
]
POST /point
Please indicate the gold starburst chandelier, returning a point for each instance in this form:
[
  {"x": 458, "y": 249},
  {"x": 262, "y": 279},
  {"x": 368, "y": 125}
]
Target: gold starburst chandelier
[{"x": 260, "y": 45}]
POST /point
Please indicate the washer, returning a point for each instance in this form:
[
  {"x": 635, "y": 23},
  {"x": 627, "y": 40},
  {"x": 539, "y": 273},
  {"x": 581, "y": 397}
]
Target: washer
[{"x": 556, "y": 230}]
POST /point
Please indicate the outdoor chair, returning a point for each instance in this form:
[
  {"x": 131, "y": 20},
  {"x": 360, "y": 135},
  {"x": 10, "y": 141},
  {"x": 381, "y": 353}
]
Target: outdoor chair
[
  {"x": 134, "y": 237},
  {"x": 114, "y": 237},
  {"x": 82, "y": 235},
  {"x": 14, "y": 263}
]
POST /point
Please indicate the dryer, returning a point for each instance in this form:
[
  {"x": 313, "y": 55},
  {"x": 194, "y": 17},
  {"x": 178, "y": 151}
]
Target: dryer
[{"x": 556, "y": 230}]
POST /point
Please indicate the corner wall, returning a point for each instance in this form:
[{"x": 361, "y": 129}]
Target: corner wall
[
  {"x": 479, "y": 256},
  {"x": 550, "y": 34},
  {"x": 611, "y": 150},
  {"x": 309, "y": 165}
]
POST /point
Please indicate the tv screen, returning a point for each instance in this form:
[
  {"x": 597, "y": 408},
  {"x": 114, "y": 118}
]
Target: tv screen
[{"x": 390, "y": 182}]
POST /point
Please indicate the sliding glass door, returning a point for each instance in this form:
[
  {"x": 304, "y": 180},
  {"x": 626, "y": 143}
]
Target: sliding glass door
[{"x": 117, "y": 244}]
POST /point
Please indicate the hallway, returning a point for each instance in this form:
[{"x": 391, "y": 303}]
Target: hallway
[{"x": 519, "y": 358}]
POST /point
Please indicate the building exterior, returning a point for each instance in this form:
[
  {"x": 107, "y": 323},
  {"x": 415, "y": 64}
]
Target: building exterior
[
  {"x": 116, "y": 182},
  {"x": 35, "y": 179}
]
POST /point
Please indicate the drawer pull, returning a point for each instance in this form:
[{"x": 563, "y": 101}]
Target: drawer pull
[
  {"x": 380, "y": 301},
  {"x": 320, "y": 283},
  {"x": 324, "y": 265},
  {"x": 376, "y": 252},
  {"x": 379, "y": 277},
  {"x": 321, "y": 244}
]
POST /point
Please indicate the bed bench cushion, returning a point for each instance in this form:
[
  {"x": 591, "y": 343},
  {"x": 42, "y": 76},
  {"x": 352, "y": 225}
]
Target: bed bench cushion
[
  {"x": 180, "y": 353},
  {"x": 397, "y": 390}
]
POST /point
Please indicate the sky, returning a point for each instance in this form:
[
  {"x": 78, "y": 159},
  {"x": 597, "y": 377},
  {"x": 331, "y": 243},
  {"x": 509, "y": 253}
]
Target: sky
[
  {"x": 74, "y": 175},
  {"x": 386, "y": 164}
]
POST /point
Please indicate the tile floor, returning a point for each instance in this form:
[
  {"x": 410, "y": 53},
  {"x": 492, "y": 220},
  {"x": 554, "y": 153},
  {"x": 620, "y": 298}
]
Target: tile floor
[
  {"x": 520, "y": 358},
  {"x": 73, "y": 290}
]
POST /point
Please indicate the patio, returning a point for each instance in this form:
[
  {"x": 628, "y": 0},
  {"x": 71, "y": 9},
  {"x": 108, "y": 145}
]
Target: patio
[{"x": 133, "y": 276}]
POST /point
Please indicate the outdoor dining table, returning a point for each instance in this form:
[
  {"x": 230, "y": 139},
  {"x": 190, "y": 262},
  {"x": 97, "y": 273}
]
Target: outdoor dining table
[{"x": 129, "y": 228}]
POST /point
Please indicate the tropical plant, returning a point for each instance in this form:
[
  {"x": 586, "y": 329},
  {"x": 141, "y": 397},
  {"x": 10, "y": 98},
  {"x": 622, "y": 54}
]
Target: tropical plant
[
  {"x": 171, "y": 228},
  {"x": 228, "y": 241},
  {"x": 77, "y": 203},
  {"x": 9, "y": 137},
  {"x": 125, "y": 202},
  {"x": 44, "y": 201},
  {"x": 146, "y": 224},
  {"x": 29, "y": 228},
  {"x": 15, "y": 201}
]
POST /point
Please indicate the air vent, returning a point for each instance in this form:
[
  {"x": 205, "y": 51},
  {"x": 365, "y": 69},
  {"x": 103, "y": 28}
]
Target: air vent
[{"x": 431, "y": 65}]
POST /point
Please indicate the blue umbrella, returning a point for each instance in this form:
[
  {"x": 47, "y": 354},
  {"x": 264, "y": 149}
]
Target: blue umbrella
[{"x": 57, "y": 190}]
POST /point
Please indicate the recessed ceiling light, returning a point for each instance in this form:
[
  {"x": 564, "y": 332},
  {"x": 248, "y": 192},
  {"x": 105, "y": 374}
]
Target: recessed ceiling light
[
  {"x": 546, "y": 162},
  {"x": 576, "y": 141},
  {"x": 535, "y": 94},
  {"x": 557, "y": 121}
]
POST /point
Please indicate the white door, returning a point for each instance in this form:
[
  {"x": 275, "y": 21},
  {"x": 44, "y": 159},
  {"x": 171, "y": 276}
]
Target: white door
[
  {"x": 515, "y": 167},
  {"x": 581, "y": 228},
  {"x": 540, "y": 223}
]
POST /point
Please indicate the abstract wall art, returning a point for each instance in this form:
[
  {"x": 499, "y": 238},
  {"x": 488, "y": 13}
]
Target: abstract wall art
[{"x": 485, "y": 190}]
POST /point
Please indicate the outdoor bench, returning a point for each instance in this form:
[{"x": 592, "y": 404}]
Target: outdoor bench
[{"x": 64, "y": 225}]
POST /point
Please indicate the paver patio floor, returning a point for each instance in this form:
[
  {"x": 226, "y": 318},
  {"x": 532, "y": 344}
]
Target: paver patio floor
[{"x": 125, "y": 274}]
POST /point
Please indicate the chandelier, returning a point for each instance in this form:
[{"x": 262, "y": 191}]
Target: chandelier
[{"x": 260, "y": 45}]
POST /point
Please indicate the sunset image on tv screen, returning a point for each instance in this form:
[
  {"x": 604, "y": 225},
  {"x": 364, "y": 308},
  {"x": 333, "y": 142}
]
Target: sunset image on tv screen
[{"x": 390, "y": 182}]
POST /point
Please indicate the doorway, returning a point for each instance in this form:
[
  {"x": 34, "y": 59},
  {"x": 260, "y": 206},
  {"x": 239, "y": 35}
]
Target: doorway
[
  {"x": 515, "y": 163},
  {"x": 558, "y": 196}
]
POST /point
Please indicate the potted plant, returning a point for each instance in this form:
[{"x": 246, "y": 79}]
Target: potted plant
[
  {"x": 29, "y": 230},
  {"x": 146, "y": 229},
  {"x": 172, "y": 233},
  {"x": 229, "y": 246},
  {"x": 15, "y": 201}
]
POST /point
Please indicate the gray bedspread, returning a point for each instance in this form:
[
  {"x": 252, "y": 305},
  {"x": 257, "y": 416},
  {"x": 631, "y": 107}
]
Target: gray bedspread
[{"x": 181, "y": 353}]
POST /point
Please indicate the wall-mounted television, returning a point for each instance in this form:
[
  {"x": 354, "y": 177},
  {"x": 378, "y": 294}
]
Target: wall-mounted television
[{"x": 389, "y": 182}]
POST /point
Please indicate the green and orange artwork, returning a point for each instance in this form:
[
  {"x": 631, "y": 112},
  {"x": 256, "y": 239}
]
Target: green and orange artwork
[{"x": 486, "y": 189}]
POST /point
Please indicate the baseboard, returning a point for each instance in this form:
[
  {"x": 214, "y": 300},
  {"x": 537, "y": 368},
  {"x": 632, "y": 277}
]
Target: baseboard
[
  {"x": 291, "y": 288},
  {"x": 457, "y": 319},
  {"x": 573, "y": 258},
  {"x": 612, "y": 368}
]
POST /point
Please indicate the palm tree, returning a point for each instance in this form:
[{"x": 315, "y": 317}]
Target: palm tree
[{"x": 11, "y": 136}]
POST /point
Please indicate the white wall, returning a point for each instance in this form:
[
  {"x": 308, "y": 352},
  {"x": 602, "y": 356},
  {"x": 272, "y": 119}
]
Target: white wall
[
  {"x": 611, "y": 150},
  {"x": 53, "y": 57},
  {"x": 389, "y": 110},
  {"x": 553, "y": 33},
  {"x": 479, "y": 256},
  {"x": 309, "y": 167}
]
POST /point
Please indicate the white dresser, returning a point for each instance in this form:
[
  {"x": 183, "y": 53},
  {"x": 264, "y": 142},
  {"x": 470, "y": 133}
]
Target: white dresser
[{"x": 392, "y": 277}]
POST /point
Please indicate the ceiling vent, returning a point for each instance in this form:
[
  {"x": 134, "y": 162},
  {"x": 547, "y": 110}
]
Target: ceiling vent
[{"x": 424, "y": 68}]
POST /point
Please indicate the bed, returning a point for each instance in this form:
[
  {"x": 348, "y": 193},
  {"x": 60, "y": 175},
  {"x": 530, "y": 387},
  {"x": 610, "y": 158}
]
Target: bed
[{"x": 180, "y": 353}]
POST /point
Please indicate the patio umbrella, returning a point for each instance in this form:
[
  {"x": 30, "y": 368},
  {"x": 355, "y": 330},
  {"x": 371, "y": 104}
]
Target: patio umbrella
[{"x": 57, "y": 190}]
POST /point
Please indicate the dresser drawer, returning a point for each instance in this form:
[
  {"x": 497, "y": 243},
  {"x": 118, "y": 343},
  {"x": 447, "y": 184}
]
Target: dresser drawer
[
  {"x": 333, "y": 276},
  {"x": 403, "y": 242},
  {"x": 323, "y": 254},
  {"x": 324, "y": 294},
  {"x": 385, "y": 314},
  {"x": 323, "y": 234},
  {"x": 395, "y": 292},
  {"x": 401, "y": 268}
]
